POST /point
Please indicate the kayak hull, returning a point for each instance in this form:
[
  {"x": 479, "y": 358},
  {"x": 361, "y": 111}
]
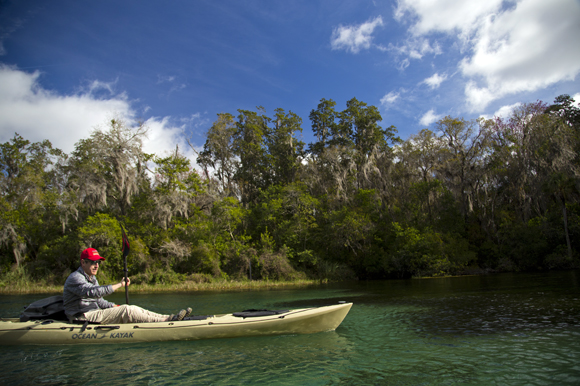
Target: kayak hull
[{"x": 300, "y": 321}]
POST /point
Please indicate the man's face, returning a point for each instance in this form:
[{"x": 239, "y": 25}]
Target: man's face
[{"x": 91, "y": 267}]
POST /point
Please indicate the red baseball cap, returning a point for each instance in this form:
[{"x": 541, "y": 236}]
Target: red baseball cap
[{"x": 91, "y": 254}]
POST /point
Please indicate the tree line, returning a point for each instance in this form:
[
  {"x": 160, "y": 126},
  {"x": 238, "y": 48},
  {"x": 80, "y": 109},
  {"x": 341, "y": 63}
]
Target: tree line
[{"x": 470, "y": 196}]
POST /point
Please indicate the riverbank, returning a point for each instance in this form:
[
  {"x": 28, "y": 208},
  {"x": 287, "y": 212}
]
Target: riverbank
[
  {"x": 22, "y": 285},
  {"x": 40, "y": 288}
]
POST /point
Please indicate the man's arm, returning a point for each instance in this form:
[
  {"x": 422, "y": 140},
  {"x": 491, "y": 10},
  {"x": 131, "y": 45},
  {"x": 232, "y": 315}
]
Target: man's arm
[
  {"x": 106, "y": 304},
  {"x": 78, "y": 285}
]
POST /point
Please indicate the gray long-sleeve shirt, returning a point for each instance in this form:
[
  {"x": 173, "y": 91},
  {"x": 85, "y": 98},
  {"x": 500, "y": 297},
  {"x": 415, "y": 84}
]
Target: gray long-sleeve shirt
[{"x": 82, "y": 293}]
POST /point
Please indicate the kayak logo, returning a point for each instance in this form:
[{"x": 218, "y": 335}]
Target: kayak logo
[
  {"x": 88, "y": 336},
  {"x": 115, "y": 335},
  {"x": 121, "y": 335}
]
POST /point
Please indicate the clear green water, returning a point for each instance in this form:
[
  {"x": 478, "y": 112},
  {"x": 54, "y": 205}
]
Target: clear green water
[{"x": 508, "y": 329}]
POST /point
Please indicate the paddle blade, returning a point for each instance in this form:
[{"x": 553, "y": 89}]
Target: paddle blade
[{"x": 125, "y": 248}]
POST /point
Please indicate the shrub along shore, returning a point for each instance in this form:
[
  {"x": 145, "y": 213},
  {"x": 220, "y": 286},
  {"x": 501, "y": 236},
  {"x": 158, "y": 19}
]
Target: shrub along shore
[
  {"x": 42, "y": 288},
  {"x": 23, "y": 286}
]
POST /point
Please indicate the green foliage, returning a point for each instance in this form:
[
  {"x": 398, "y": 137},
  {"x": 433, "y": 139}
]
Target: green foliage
[
  {"x": 29, "y": 196},
  {"x": 288, "y": 214},
  {"x": 285, "y": 152},
  {"x": 348, "y": 234},
  {"x": 334, "y": 271},
  {"x": 57, "y": 258},
  {"x": 103, "y": 233},
  {"x": 426, "y": 253},
  {"x": 323, "y": 125},
  {"x": 218, "y": 154},
  {"x": 205, "y": 260},
  {"x": 227, "y": 216},
  {"x": 240, "y": 262},
  {"x": 174, "y": 174},
  {"x": 524, "y": 244},
  {"x": 559, "y": 259},
  {"x": 249, "y": 141},
  {"x": 273, "y": 265},
  {"x": 158, "y": 276},
  {"x": 501, "y": 194},
  {"x": 15, "y": 278}
]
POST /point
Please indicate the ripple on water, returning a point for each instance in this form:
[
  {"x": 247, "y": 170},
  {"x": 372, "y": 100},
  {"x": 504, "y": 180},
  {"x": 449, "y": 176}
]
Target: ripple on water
[{"x": 500, "y": 330}]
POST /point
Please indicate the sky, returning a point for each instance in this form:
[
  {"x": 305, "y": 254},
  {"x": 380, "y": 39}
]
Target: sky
[{"x": 67, "y": 67}]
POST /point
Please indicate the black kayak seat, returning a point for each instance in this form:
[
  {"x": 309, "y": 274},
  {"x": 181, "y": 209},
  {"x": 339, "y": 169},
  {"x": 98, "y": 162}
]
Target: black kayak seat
[{"x": 256, "y": 313}]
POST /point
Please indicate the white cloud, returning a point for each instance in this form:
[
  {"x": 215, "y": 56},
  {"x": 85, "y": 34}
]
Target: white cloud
[
  {"x": 413, "y": 48},
  {"x": 448, "y": 16},
  {"x": 165, "y": 78},
  {"x": 510, "y": 47},
  {"x": 38, "y": 114},
  {"x": 389, "y": 99},
  {"x": 163, "y": 137},
  {"x": 435, "y": 80},
  {"x": 404, "y": 64},
  {"x": 525, "y": 49},
  {"x": 576, "y": 98},
  {"x": 354, "y": 38},
  {"x": 504, "y": 111},
  {"x": 478, "y": 96},
  {"x": 429, "y": 117},
  {"x": 97, "y": 85}
]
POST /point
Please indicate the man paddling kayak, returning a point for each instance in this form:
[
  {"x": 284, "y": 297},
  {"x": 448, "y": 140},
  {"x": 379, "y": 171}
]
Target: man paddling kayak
[{"x": 83, "y": 297}]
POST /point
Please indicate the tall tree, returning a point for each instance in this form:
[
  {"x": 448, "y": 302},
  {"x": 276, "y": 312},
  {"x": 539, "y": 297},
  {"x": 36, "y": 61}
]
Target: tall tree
[
  {"x": 176, "y": 187},
  {"x": 562, "y": 188},
  {"x": 219, "y": 154},
  {"x": 359, "y": 123},
  {"x": 465, "y": 144},
  {"x": 323, "y": 125},
  {"x": 284, "y": 149},
  {"x": 566, "y": 108},
  {"x": 249, "y": 142},
  {"x": 29, "y": 195},
  {"x": 352, "y": 153},
  {"x": 108, "y": 168},
  {"x": 513, "y": 160},
  {"x": 422, "y": 156}
]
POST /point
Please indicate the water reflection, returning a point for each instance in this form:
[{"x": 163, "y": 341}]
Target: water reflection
[{"x": 283, "y": 359}]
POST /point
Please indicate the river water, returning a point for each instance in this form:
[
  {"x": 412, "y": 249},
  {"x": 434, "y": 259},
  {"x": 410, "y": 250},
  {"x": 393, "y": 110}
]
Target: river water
[{"x": 505, "y": 329}]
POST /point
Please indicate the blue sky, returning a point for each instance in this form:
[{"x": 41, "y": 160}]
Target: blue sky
[{"x": 66, "y": 67}]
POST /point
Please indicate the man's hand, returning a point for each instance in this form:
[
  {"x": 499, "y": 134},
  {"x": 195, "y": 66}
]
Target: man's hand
[{"x": 122, "y": 284}]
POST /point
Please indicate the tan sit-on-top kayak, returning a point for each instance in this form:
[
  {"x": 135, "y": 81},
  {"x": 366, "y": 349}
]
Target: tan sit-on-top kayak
[{"x": 300, "y": 321}]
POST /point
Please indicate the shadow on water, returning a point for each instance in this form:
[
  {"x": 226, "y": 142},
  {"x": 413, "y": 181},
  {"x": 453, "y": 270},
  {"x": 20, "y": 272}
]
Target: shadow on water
[{"x": 471, "y": 304}]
